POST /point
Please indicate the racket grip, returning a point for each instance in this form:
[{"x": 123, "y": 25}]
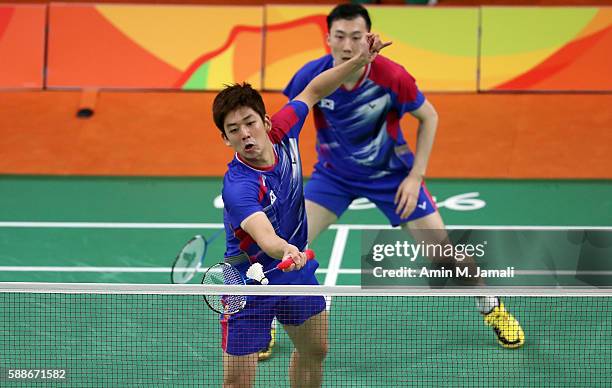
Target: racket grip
[{"x": 287, "y": 262}]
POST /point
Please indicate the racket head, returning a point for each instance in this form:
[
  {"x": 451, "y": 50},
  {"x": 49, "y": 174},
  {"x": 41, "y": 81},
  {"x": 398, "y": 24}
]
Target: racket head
[
  {"x": 189, "y": 260},
  {"x": 220, "y": 274}
]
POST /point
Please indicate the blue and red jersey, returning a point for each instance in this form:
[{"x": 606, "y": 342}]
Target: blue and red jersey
[
  {"x": 358, "y": 130},
  {"x": 277, "y": 191}
]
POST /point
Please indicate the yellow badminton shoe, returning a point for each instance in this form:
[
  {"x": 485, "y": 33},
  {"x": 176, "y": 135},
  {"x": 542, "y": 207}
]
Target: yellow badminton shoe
[{"x": 508, "y": 330}]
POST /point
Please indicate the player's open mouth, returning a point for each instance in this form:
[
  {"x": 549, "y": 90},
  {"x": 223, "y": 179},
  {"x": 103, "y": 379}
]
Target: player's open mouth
[{"x": 249, "y": 147}]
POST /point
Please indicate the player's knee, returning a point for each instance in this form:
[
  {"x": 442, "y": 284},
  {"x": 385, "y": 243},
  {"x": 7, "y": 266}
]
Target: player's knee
[
  {"x": 236, "y": 380},
  {"x": 317, "y": 351},
  {"x": 238, "y": 372}
]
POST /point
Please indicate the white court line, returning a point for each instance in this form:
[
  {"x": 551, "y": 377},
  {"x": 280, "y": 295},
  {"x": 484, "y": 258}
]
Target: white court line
[
  {"x": 481, "y": 227},
  {"x": 175, "y": 225},
  {"x": 330, "y": 273},
  {"x": 110, "y": 225},
  {"x": 335, "y": 261},
  {"x": 83, "y": 269},
  {"x": 58, "y": 268},
  {"x": 125, "y": 269}
]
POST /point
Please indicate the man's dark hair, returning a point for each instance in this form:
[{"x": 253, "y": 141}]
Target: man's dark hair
[
  {"x": 233, "y": 97},
  {"x": 348, "y": 12}
]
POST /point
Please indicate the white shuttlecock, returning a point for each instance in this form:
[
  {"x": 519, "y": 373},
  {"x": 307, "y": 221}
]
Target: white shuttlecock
[{"x": 255, "y": 272}]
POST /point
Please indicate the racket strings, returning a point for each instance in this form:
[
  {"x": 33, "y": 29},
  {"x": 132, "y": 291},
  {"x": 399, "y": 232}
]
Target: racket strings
[
  {"x": 224, "y": 274},
  {"x": 188, "y": 260}
]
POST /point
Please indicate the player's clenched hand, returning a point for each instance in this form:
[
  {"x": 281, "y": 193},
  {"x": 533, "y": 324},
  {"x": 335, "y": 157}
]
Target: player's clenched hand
[
  {"x": 407, "y": 196},
  {"x": 293, "y": 253}
]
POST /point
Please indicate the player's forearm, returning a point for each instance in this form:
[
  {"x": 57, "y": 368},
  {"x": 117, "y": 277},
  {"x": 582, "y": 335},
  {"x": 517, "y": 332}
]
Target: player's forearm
[
  {"x": 260, "y": 229},
  {"x": 327, "y": 82},
  {"x": 426, "y": 135},
  {"x": 273, "y": 246}
]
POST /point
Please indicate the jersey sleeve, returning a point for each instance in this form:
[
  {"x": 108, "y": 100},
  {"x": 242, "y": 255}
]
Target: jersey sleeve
[
  {"x": 241, "y": 199},
  {"x": 297, "y": 84},
  {"x": 408, "y": 95},
  {"x": 288, "y": 121}
]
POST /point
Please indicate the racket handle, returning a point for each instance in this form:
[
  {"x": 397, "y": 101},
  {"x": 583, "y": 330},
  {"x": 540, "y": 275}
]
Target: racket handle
[{"x": 287, "y": 262}]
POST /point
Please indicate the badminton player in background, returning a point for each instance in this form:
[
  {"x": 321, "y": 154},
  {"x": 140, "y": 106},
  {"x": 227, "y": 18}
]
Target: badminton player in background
[
  {"x": 362, "y": 152},
  {"x": 265, "y": 221}
]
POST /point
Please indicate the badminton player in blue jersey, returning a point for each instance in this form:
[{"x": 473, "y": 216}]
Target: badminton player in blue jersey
[
  {"x": 362, "y": 152},
  {"x": 265, "y": 221}
]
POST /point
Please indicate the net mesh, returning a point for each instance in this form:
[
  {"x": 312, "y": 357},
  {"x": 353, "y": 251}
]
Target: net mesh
[{"x": 373, "y": 340}]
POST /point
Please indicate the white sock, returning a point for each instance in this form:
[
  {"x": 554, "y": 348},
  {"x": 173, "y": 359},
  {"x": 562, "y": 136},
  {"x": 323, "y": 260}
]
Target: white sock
[{"x": 486, "y": 303}]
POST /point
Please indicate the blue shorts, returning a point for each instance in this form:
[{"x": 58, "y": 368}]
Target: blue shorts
[
  {"x": 248, "y": 331},
  {"x": 336, "y": 194}
]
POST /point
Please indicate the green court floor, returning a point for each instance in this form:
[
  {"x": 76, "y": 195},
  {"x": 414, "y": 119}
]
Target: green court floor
[{"x": 128, "y": 230}]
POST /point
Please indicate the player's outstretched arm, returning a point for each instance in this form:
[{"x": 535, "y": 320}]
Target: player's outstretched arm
[
  {"x": 258, "y": 226},
  {"x": 325, "y": 83}
]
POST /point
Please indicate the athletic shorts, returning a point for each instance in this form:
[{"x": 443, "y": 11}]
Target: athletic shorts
[
  {"x": 336, "y": 194},
  {"x": 248, "y": 331}
]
